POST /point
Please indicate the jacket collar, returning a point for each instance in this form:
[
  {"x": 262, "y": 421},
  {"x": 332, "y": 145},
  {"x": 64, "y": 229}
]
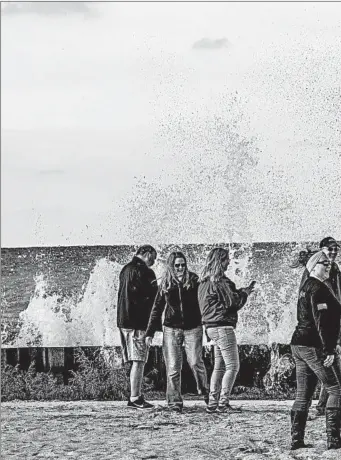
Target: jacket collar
[{"x": 137, "y": 261}]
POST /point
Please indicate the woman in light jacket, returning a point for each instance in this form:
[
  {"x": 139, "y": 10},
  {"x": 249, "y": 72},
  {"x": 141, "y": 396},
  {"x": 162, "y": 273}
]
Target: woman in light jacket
[{"x": 220, "y": 301}]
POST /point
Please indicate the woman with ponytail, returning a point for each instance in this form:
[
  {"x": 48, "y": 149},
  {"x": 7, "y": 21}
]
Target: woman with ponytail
[{"x": 220, "y": 301}]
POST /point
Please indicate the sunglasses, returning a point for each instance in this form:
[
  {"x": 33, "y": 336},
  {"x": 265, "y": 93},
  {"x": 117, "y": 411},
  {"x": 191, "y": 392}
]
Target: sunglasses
[
  {"x": 325, "y": 263},
  {"x": 333, "y": 249},
  {"x": 179, "y": 265}
]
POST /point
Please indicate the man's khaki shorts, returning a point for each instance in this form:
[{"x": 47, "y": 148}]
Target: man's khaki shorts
[{"x": 134, "y": 346}]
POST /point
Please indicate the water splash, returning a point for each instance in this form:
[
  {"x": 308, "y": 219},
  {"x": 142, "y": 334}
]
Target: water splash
[
  {"x": 89, "y": 317},
  {"x": 56, "y": 321}
]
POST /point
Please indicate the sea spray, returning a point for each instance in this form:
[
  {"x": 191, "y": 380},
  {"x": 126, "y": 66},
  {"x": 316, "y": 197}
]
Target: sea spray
[
  {"x": 56, "y": 311},
  {"x": 57, "y": 321}
]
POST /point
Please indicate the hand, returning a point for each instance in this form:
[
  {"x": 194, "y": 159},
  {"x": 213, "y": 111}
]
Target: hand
[
  {"x": 338, "y": 349},
  {"x": 149, "y": 341},
  {"x": 250, "y": 288},
  {"x": 329, "y": 360}
]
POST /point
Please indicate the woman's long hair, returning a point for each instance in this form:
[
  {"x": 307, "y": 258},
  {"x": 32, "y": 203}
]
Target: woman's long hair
[
  {"x": 169, "y": 278},
  {"x": 213, "y": 269},
  {"x": 302, "y": 258}
]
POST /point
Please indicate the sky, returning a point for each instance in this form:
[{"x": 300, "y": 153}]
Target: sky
[{"x": 169, "y": 123}]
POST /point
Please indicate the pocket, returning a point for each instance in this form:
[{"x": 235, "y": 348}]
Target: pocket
[
  {"x": 211, "y": 334},
  {"x": 139, "y": 335}
]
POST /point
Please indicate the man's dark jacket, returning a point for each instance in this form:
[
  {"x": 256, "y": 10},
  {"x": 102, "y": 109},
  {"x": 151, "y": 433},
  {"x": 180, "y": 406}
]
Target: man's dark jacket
[
  {"x": 333, "y": 282},
  {"x": 136, "y": 294},
  {"x": 181, "y": 307},
  {"x": 318, "y": 317}
]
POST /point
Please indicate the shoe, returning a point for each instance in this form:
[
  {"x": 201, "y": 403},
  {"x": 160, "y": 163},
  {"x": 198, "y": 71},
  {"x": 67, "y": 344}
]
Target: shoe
[
  {"x": 211, "y": 409},
  {"x": 175, "y": 408},
  {"x": 333, "y": 425},
  {"x": 139, "y": 404},
  {"x": 298, "y": 423},
  {"x": 300, "y": 445},
  {"x": 320, "y": 411},
  {"x": 206, "y": 398},
  {"x": 227, "y": 408}
]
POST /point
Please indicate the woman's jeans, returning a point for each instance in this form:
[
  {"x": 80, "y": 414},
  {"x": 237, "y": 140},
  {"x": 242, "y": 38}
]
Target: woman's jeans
[
  {"x": 323, "y": 398},
  {"x": 173, "y": 342},
  {"x": 309, "y": 369},
  {"x": 226, "y": 364}
]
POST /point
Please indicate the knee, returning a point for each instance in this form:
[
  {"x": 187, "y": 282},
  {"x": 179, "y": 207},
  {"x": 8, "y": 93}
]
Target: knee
[
  {"x": 236, "y": 368},
  {"x": 301, "y": 406},
  {"x": 196, "y": 362},
  {"x": 219, "y": 366},
  {"x": 174, "y": 369},
  {"x": 334, "y": 390},
  {"x": 233, "y": 367}
]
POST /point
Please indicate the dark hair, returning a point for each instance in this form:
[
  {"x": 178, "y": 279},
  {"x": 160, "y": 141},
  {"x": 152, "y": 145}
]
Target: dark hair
[
  {"x": 302, "y": 258},
  {"x": 169, "y": 278},
  {"x": 142, "y": 250}
]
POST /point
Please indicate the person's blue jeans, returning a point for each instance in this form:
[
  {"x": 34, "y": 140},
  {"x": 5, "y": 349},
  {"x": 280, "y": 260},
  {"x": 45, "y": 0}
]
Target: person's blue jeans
[
  {"x": 226, "y": 364},
  {"x": 323, "y": 393},
  {"x": 309, "y": 369},
  {"x": 173, "y": 342}
]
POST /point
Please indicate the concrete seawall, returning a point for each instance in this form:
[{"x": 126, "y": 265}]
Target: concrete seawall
[{"x": 66, "y": 297}]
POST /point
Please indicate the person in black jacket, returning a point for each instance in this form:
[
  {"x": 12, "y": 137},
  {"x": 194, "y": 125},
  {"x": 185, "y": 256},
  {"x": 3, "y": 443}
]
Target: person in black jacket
[
  {"x": 136, "y": 294},
  {"x": 313, "y": 347},
  {"x": 220, "y": 302},
  {"x": 330, "y": 247},
  {"x": 178, "y": 296}
]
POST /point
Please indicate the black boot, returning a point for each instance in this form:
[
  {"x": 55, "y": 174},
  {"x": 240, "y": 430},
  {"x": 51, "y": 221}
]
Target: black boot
[
  {"x": 298, "y": 423},
  {"x": 333, "y": 424}
]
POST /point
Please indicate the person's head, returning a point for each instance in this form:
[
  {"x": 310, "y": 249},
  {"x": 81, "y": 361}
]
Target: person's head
[
  {"x": 330, "y": 247},
  {"x": 177, "y": 263},
  {"x": 147, "y": 253},
  {"x": 319, "y": 266},
  {"x": 176, "y": 270},
  {"x": 216, "y": 264},
  {"x": 302, "y": 258}
]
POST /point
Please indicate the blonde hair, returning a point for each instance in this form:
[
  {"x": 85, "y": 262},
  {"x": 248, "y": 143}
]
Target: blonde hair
[
  {"x": 169, "y": 278},
  {"x": 213, "y": 269}
]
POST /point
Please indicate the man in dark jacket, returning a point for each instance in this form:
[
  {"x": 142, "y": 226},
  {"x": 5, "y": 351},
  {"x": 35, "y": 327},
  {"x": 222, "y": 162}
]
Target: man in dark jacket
[
  {"x": 136, "y": 294},
  {"x": 330, "y": 247},
  {"x": 313, "y": 346}
]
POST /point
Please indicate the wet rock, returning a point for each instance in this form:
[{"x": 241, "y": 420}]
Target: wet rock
[
  {"x": 254, "y": 363},
  {"x": 281, "y": 375}
]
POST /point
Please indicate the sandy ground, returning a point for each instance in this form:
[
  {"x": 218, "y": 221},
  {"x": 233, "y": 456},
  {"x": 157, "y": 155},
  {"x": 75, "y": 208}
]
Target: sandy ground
[{"x": 108, "y": 430}]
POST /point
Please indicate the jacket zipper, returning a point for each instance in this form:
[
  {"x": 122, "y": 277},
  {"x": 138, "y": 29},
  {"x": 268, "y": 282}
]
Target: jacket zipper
[{"x": 181, "y": 309}]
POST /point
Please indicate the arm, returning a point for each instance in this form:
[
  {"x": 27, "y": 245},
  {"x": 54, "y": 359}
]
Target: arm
[
  {"x": 322, "y": 320},
  {"x": 154, "y": 323},
  {"x": 153, "y": 285},
  {"x": 333, "y": 300},
  {"x": 231, "y": 297}
]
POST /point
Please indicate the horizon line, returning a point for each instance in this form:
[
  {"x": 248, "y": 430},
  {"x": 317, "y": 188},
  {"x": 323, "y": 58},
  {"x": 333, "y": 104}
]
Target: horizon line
[{"x": 163, "y": 244}]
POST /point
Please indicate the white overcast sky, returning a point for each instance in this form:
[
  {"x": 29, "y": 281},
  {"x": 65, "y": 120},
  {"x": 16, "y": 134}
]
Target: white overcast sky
[{"x": 116, "y": 129}]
